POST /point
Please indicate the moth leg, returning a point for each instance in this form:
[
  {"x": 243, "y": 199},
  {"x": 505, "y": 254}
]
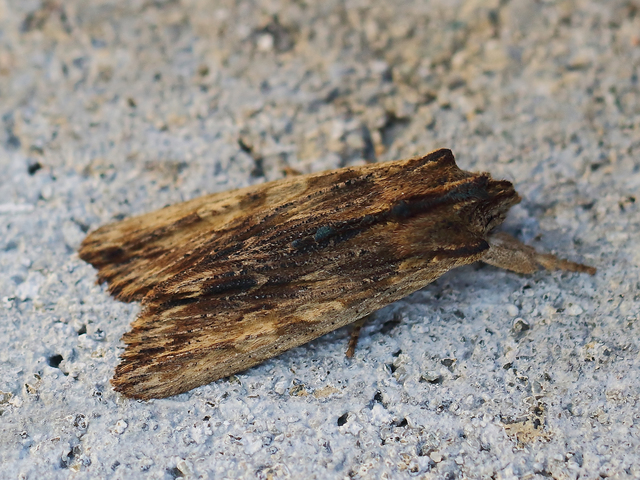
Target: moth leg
[
  {"x": 511, "y": 254},
  {"x": 355, "y": 334},
  {"x": 290, "y": 172}
]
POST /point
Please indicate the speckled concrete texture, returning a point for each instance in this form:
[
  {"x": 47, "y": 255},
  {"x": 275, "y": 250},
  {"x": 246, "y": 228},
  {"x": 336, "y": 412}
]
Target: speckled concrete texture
[{"x": 113, "y": 108}]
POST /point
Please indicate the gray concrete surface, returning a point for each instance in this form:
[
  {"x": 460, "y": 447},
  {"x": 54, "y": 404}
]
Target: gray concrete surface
[{"x": 111, "y": 108}]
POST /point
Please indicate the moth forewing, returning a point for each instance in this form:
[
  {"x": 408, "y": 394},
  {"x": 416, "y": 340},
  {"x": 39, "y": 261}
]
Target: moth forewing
[{"x": 231, "y": 279}]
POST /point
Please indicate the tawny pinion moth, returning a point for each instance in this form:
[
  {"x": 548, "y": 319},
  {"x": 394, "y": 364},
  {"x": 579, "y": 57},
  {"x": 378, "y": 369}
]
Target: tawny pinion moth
[{"x": 231, "y": 279}]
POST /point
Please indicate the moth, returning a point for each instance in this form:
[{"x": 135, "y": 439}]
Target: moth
[{"x": 231, "y": 279}]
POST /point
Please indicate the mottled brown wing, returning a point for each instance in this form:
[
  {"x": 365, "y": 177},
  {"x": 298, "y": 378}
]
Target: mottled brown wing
[
  {"x": 138, "y": 253},
  {"x": 287, "y": 262}
]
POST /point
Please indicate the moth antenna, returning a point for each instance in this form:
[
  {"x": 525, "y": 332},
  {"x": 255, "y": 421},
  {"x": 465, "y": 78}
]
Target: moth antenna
[{"x": 511, "y": 254}]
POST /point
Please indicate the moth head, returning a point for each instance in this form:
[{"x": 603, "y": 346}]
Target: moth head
[{"x": 492, "y": 210}]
